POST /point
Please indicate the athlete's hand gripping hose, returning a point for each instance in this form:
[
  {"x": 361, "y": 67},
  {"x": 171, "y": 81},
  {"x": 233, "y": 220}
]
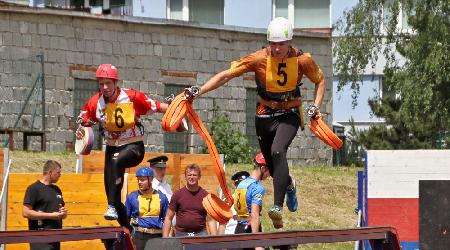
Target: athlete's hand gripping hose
[
  {"x": 192, "y": 92},
  {"x": 312, "y": 110}
]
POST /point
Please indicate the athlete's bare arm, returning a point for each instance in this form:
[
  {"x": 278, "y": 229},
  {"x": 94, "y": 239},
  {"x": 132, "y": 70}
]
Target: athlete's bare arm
[{"x": 216, "y": 81}]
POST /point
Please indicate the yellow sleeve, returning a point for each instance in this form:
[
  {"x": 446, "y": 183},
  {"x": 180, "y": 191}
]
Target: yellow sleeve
[{"x": 310, "y": 68}]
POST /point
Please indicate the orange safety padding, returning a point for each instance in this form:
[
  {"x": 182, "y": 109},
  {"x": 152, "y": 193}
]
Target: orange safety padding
[
  {"x": 321, "y": 130},
  {"x": 180, "y": 106}
]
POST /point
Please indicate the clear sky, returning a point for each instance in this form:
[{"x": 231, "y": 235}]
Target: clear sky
[{"x": 338, "y": 7}]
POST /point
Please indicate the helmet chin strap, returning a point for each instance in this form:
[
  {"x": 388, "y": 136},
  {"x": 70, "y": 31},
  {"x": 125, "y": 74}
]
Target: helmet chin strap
[
  {"x": 112, "y": 95},
  {"x": 287, "y": 53}
]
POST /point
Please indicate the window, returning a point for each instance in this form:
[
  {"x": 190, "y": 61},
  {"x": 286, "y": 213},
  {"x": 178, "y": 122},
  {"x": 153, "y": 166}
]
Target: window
[
  {"x": 402, "y": 15},
  {"x": 250, "y": 110},
  {"x": 211, "y": 11},
  {"x": 175, "y": 142},
  {"x": 312, "y": 14},
  {"x": 112, "y": 3},
  {"x": 304, "y": 13},
  {"x": 116, "y": 3},
  {"x": 386, "y": 90},
  {"x": 95, "y": 2},
  {"x": 405, "y": 24},
  {"x": 281, "y": 9},
  {"x": 84, "y": 89},
  {"x": 175, "y": 9}
]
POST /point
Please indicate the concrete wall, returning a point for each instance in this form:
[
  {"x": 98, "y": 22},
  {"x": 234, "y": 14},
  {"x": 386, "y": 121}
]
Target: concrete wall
[{"x": 149, "y": 53}]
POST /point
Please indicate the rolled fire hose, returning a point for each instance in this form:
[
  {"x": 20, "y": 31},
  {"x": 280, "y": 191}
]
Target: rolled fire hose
[
  {"x": 321, "y": 130},
  {"x": 178, "y": 108}
]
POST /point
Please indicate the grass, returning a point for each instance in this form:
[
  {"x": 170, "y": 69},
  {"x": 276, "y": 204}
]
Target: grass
[
  {"x": 327, "y": 195},
  {"x": 327, "y": 199},
  {"x": 33, "y": 161}
]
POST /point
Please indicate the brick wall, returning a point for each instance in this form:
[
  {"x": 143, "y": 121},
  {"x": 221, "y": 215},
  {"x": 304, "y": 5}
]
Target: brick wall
[{"x": 149, "y": 53}]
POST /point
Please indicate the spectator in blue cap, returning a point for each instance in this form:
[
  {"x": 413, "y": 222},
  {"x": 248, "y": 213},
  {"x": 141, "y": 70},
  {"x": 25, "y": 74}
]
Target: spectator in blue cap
[{"x": 146, "y": 208}]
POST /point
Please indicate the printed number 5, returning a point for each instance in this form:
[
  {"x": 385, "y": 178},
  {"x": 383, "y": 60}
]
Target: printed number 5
[
  {"x": 281, "y": 72},
  {"x": 119, "y": 119}
]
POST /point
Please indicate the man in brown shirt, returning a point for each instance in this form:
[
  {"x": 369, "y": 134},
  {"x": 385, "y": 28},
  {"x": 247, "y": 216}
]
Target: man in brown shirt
[{"x": 186, "y": 204}]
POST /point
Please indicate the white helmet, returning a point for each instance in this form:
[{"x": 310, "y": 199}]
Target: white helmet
[{"x": 279, "y": 30}]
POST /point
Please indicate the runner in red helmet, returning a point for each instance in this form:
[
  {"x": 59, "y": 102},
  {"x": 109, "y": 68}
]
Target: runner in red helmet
[{"x": 118, "y": 111}]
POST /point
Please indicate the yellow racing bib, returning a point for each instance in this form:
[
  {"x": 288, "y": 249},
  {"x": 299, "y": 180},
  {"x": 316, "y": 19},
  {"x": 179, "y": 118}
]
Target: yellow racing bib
[
  {"x": 149, "y": 205},
  {"x": 119, "y": 116},
  {"x": 281, "y": 76},
  {"x": 240, "y": 204}
]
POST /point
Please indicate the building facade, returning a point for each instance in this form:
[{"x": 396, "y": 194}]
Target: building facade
[{"x": 156, "y": 56}]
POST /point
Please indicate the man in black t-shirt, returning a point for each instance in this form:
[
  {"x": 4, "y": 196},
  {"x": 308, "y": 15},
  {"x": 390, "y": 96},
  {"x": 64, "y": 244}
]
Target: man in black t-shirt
[{"x": 43, "y": 204}]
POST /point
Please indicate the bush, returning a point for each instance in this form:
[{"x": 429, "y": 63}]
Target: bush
[{"x": 229, "y": 141}]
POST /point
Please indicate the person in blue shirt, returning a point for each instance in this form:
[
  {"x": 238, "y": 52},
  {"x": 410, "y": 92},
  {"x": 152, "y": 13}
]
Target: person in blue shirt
[
  {"x": 146, "y": 209},
  {"x": 230, "y": 226},
  {"x": 248, "y": 196}
]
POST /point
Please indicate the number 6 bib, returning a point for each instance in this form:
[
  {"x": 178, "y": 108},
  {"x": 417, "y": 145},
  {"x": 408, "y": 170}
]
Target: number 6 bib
[{"x": 119, "y": 116}]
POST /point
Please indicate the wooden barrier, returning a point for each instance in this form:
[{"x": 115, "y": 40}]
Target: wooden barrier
[
  {"x": 85, "y": 196},
  {"x": 114, "y": 235},
  {"x": 94, "y": 163},
  {"x": 2, "y": 162},
  {"x": 381, "y": 238}
]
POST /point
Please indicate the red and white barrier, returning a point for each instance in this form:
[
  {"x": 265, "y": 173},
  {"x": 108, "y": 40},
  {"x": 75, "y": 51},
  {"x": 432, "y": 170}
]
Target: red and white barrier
[{"x": 392, "y": 188}]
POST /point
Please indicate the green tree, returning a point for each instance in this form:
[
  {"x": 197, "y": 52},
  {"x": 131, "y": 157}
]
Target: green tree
[
  {"x": 419, "y": 116},
  {"x": 229, "y": 141},
  {"x": 353, "y": 151}
]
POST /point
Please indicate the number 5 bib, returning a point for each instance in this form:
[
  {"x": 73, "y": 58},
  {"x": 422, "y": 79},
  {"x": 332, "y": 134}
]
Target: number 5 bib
[
  {"x": 119, "y": 116},
  {"x": 281, "y": 76}
]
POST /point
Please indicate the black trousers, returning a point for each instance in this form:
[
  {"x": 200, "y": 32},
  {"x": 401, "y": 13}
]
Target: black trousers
[
  {"x": 275, "y": 134},
  {"x": 140, "y": 239},
  {"x": 45, "y": 246},
  {"x": 243, "y": 229},
  {"x": 117, "y": 159}
]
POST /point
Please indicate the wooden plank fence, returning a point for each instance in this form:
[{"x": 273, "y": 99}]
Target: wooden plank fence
[
  {"x": 85, "y": 196},
  {"x": 94, "y": 163}
]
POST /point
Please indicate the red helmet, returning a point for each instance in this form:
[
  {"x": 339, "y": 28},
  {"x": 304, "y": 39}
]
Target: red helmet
[
  {"x": 107, "y": 71},
  {"x": 259, "y": 159}
]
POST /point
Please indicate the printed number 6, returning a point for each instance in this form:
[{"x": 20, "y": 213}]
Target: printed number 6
[
  {"x": 281, "y": 72},
  {"x": 118, "y": 118},
  {"x": 239, "y": 201}
]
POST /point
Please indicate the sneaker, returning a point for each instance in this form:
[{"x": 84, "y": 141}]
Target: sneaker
[
  {"x": 276, "y": 216},
  {"x": 291, "y": 198},
  {"x": 111, "y": 213}
]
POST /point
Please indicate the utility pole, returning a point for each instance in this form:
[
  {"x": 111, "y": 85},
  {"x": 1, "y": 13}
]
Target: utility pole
[{"x": 44, "y": 138}]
